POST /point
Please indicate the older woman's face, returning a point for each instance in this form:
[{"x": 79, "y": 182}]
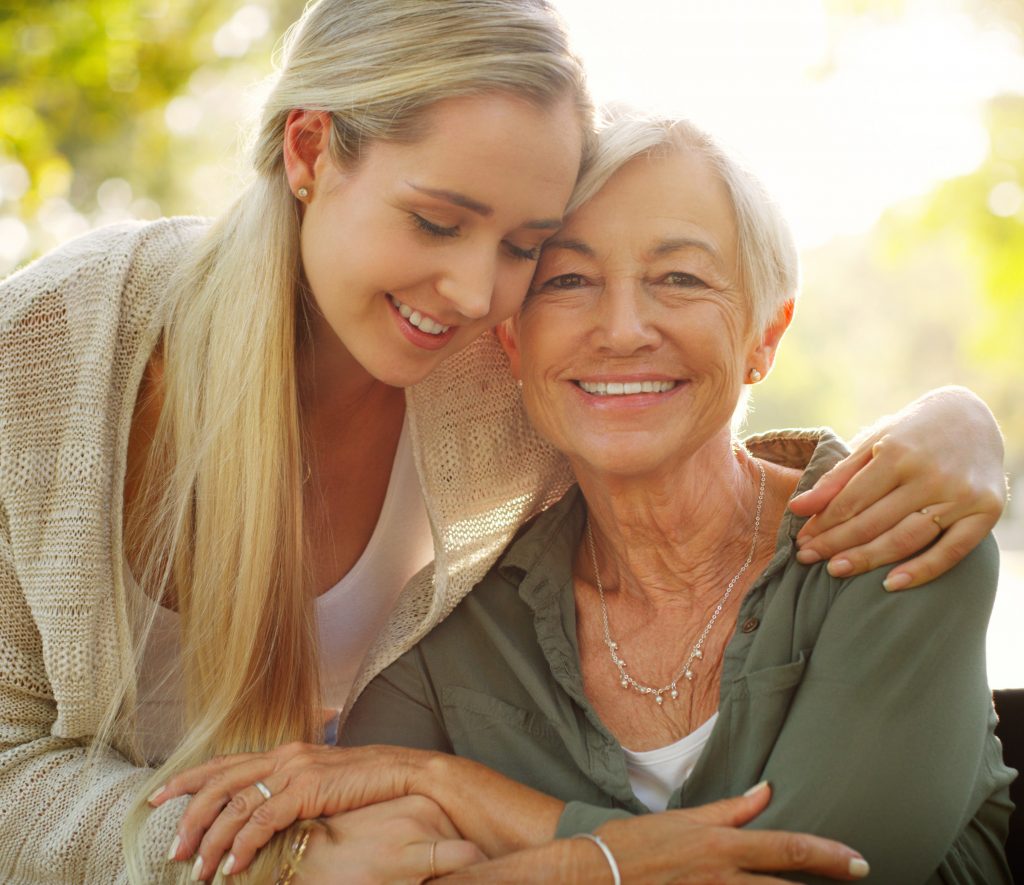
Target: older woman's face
[{"x": 634, "y": 341}]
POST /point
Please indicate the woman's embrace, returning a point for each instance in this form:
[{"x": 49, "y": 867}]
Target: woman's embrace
[{"x": 652, "y": 642}]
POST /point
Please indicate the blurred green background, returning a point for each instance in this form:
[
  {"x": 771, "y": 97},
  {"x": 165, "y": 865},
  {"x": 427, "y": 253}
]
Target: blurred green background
[{"x": 111, "y": 109}]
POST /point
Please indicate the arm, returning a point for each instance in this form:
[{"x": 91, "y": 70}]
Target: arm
[
  {"x": 60, "y": 818},
  {"x": 943, "y": 452},
  {"x": 886, "y": 744}
]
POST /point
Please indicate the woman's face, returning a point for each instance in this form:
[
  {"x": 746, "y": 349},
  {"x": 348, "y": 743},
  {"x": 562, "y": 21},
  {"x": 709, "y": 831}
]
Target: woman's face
[
  {"x": 634, "y": 340},
  {"x": 418, "y": 248}
]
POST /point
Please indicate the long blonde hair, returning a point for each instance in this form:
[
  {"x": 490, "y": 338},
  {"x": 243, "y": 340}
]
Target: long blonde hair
[{"x": 221, "y": 519}]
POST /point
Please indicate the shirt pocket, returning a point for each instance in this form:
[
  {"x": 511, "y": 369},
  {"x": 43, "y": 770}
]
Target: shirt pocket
[
  {"x": 521, "y": 744},
  {"x": 758, "y": 705}
]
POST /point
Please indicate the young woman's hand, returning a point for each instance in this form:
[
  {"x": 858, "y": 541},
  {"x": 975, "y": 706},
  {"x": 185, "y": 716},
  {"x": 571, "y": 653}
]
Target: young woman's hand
[
  {"x": 931, "y": 475},
  {"x": 402, "y": 842}
]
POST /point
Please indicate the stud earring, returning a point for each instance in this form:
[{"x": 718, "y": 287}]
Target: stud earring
[
  {"x": 754, "y": 376},
  {"x": 302, "y": 193}
]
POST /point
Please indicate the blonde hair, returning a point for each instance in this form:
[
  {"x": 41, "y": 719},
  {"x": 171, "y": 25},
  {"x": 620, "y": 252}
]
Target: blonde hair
[
  {"x": 767, "y": 256},
  {"x": 223, "y": 482}
]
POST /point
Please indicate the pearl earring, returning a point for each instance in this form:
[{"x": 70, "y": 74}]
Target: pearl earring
[
  {"x": 302, "y": 193},
  {"x": 754, "y": 376}
]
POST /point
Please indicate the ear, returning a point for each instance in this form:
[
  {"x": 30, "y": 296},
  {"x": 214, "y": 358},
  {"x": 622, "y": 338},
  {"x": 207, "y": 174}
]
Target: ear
[
  {"x": 763, "y": 355},
  {"x": 307, "y": 141},
  {"x": 508, "y": 334}
]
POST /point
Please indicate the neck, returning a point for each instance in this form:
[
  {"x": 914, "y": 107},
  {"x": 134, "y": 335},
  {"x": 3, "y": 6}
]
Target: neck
[{"x": 668, "y": 540}]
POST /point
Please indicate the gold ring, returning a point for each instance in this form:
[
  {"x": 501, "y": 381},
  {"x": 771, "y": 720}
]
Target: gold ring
[{"x": 433, "y": 857}]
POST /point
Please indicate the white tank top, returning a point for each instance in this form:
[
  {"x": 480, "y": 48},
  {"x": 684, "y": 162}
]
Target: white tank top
[
  {"x": 655, "y": 774},
  {"x": 349, "y": 615}
]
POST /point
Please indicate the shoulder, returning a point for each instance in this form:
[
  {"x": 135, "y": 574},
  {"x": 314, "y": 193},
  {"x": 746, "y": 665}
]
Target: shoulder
[{"x": 98, "y": 263}]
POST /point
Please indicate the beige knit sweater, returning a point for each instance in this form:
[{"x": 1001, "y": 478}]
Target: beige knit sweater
[{"x": 76, "y": 331}]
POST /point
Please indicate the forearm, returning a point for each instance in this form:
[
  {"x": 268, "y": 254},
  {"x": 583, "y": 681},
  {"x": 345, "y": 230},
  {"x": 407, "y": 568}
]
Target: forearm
[
  {"x": 555, "y": 863},
  {"x": 497, "y": 813}
]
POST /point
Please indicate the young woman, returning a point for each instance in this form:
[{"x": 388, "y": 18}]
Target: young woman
[{"x": 212, "y": 487}]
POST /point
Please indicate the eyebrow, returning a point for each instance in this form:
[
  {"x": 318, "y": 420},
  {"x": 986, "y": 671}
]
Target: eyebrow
[
  {"x": 677, "y": 244},
  {"x": 577, "y": 246},
  {"x": 482, "y": 209}
]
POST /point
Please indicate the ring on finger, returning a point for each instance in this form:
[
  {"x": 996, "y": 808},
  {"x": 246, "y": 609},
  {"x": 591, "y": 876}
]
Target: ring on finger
[
  {"x": 264, "y": 789},
  {"x": 433, "y": 858}
]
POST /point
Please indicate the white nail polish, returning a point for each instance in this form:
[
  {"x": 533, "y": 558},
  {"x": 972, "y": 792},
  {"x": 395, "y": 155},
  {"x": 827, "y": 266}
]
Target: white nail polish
[
  {"x": 197, "y": 868},
  {"x": 155, "y": 794},
  {"x": 859, "y": 867},
  {"x": 756, "y": 788},
  {"x": 229, "y": 865},
  {"x": 173, "y": 851}
]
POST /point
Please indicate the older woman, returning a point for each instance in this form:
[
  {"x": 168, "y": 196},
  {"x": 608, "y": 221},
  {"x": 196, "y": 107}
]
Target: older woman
[{"x": 652, "y": 641}]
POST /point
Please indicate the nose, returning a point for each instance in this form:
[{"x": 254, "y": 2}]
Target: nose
[
  {"x": 467, "y": 282},
  {"x": 625, "y": 321}
]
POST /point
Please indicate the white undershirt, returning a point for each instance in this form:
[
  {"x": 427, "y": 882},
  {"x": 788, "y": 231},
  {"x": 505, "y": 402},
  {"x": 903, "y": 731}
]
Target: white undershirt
[
  {"x": 349, "y": 615},
  {"x": 656, "y": 774}
]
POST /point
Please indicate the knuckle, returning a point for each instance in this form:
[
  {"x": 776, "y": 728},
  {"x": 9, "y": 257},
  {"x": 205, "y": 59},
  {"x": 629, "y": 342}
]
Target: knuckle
[
  {"x": 263, "y": 815},
  {"x": 954, "y": 551},
  {"x": 238, "y": 805},
  {"x": 797, "y": 850}
]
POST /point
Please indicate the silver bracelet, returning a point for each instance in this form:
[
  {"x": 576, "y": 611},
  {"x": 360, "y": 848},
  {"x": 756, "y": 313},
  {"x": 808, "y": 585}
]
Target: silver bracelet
[{"x": 606, "y": 851}]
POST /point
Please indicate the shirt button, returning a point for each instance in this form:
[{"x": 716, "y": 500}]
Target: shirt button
[{"x": 750, "y": 625}]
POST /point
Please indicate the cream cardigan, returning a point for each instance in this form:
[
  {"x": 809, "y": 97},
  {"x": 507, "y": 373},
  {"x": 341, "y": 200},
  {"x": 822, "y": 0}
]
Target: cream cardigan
[{"x": 76, "y": 331}]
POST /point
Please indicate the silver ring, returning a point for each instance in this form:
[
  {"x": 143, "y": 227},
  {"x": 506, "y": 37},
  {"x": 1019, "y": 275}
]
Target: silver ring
[{"x": 264, "y": 789}]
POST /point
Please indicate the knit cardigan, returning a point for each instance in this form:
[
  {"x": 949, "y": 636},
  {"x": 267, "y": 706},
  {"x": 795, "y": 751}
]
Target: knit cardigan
[{"x": 76, "y": 331}]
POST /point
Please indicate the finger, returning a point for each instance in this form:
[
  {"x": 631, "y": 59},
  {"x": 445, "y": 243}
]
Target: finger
[
  {"x": 247, "y": 835},
  {"x": 776, "y": 851},
  {"x": 452, "y": 855},
  {"x": 956, "y": 542},
  {"x": 733, "y": 812},
  {"x": 220, "y": 836},
  {"x": 212, "y": 797},
  {"x": 830, "y": 484},
  {"x": 867, "y": 487},
  {"x": 191, "y": 780}
]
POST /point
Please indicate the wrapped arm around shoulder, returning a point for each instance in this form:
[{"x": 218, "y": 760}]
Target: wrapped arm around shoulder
[
  {"x": 887, "y": 743},
  {"x": 61, "y": 814}
]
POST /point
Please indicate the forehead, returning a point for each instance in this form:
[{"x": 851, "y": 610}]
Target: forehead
[
  {"x": 496, "y": 149},
  {"x": 649, "y": 199}
]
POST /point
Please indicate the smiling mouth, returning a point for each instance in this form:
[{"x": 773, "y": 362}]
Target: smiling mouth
[
  {"x": 417, "y": 319},
  {"x": 624, "y": 388}
]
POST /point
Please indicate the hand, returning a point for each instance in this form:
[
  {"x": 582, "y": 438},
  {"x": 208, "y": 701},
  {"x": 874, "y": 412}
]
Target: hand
[
  {"x": 699, "y": 846},
  {"x": 392, "y": 842},
  {"x": 306, "y": 781},
  {"x": 934, "y": 471}
]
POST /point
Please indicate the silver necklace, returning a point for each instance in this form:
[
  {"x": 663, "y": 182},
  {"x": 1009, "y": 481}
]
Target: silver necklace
[{"x": 697, "y": 651}]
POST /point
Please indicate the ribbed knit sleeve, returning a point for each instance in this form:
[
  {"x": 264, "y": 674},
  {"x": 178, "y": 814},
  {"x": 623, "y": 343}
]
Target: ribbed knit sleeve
[{"x": 76, "y": 329}]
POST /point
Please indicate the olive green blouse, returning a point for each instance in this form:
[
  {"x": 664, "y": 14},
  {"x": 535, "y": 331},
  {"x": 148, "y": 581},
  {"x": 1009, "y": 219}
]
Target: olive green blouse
[{"x": 868, "y": 712}]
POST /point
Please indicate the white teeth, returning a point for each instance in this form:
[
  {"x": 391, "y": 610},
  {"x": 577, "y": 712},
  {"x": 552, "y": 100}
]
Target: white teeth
[
  {"x": 618, "y": 388},
  {"x": 423, "y": 323}
]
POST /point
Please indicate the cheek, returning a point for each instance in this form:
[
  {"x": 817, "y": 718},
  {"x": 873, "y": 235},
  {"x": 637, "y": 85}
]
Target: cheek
[{"x": 510, "y": 288}]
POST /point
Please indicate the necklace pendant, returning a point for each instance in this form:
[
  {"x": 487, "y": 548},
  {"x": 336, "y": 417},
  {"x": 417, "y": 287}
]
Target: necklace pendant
[
  {"x": 697, "y": 654},
  {"x": 689, "y": 674},
  {"x": 674, "y": 693},
  {"x": 660, "y": 700},
  {"x": 624, "y": 682}
]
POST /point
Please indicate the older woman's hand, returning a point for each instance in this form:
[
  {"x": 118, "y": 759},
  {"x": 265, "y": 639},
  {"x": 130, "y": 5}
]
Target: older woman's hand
[{"x": 934, "y": 471}]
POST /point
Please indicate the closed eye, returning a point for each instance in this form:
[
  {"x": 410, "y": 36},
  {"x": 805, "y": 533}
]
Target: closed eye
[
  {"x": 522, "y": 254},
  {"x": 435, "y": 230}
]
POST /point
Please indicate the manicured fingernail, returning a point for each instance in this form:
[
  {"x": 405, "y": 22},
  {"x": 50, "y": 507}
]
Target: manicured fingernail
[
  {"x": 839, "y": 568},
  {"x": 808, "y": 557},
  {"x": 197, "y": 869},
  {"x": 229, "y": 865},
  {"x": 859, "y": 867},
  {"x": 172, "y": 852},
  {"x": 756, "y": 788},
  {"x": 155, "y": 794},
  {"x": 896, "y": 582}
]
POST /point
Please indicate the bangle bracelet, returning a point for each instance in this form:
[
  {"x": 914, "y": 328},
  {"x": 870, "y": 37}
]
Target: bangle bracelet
[
  {"x": 606, "y": 851},
  {"x": 291, "y": 865}
]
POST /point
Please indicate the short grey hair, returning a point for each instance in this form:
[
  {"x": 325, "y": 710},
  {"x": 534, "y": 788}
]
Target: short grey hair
[{"x": 766, "y": 251}]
